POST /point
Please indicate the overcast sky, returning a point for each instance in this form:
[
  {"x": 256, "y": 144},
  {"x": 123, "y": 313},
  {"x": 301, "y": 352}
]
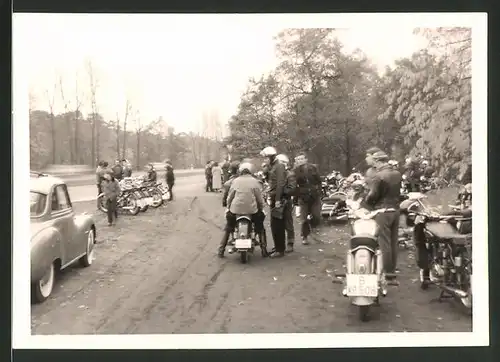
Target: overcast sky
[{"x": 177, "y": 67}]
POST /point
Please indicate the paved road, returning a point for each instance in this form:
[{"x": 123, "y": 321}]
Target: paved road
[
  {"x": 184, "y": 186},
  {"x": 158, "y": 272},
  {"x": 89, "y": 179}
]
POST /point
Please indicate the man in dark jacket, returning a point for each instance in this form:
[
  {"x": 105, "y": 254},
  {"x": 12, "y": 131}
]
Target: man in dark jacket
[
  {"x": 233, "y": 171},
  {"x": 289, "y": 192},
  {"x": 118, "y": 170},
  {"x": 371, "y": 171},
  {"x": 208, "y": 177},
  {"x": 384, "y": 195},
  {"x": 127, "y": 168},
  {"x": 277, "y": 181},
  {"x": 412, "y": 172},
  {"x": 170, "y": 178},
  {"x": 225, "y": 171},
  {"x": 308, "y": 195},
  {"x": 151, "y": 173}
]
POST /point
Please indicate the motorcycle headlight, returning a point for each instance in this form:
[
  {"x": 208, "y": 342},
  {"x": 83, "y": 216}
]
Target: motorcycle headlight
[
  {"x": 367, "y": 227},
  {"x": 404, "y": 177},
  {"x": 422, "y": 178}
]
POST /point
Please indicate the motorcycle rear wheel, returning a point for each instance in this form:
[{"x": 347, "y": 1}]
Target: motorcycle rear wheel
[
  {"x": 157, "y": 199},
  {"x": 132, "y": 201},
  {"x": 101, "y": 204},
  {"x": 244, "y": 257},
  {"x": 364, "y": 313}
]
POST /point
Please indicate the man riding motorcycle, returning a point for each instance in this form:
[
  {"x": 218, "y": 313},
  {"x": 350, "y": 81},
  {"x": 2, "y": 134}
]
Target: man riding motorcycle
[
  {"x": 277, "y": 182},
  {"x": 385, "y": 194},
  {"x": 289, "y": 194},
  {"x": 245, "y": 198}
]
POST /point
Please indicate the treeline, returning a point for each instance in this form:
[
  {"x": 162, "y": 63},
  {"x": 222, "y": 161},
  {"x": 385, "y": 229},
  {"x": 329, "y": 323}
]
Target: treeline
[
  {"x": 335, "y": 105},
  {"x": 71, "y": 138}
]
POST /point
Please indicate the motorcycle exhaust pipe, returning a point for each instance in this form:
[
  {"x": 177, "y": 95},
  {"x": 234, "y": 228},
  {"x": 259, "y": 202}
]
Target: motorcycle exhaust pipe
[{"x": 453, "y": 291}]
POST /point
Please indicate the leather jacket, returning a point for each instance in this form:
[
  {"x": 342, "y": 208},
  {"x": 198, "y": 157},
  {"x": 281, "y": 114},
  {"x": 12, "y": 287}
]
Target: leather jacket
[{"x": 385, "y": 188}]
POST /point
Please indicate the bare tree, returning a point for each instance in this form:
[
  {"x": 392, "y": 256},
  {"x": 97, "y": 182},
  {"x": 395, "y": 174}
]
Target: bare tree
[
  {"x": 76, "y": 135},
  {"x": 93, "y": 102},
  {"x": 51, "y": 102},
  {"x": 117, "y": 130},
  {"x": 128, "y": 110},
  {"x": 67, "y": 119},
  {"x": 139, "y": 127}
]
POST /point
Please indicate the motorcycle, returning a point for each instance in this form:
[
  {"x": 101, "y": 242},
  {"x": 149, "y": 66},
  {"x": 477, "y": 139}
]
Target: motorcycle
[
  {"x": 164, "y": 190},
  {"x": 244, "y": 239},
  {"x": 333, "y": 207},
  {"x": 155, "y": 196},
  {"x": 412, "y": 202},
  {"x": 126, "y": 201},
  {"x": 364, "y": 280},
  {"x": 444, "y": 254}
]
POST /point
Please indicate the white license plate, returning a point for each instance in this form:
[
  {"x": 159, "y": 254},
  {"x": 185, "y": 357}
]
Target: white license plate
[
  {"x": 362, "y": 285},
  {"x": 243, "y": 243}
]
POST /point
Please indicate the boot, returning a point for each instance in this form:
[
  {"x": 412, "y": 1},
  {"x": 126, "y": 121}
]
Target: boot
[
  {"x": 223, "y": 243},
  {"x": 289, "y": 248}
]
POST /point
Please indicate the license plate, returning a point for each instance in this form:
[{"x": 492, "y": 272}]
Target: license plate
[
  {"x": 243, "y": 243},
  {"x": 362, "y": 285}
]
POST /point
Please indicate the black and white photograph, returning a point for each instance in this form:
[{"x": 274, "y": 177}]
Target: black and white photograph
[{"x": 249, "y": 181}]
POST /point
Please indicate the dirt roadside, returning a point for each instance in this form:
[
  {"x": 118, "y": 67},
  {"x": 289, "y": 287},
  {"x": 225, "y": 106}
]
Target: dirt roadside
[{"x": 158, "y": 273}]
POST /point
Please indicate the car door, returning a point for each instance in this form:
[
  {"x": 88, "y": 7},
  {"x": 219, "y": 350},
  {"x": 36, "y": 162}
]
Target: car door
[{"x": 62, "y": 218}]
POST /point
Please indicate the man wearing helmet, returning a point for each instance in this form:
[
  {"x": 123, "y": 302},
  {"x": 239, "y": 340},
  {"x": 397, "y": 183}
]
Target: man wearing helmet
[
  {"x": 277, "y": 181},
  {"x": 290, "y": 191},
  {"x": 308, "y": 195},
  {"x": 384, "y": 195},
  {"x": 244, "y": 198},
  {"x": 412, "y": 173}
]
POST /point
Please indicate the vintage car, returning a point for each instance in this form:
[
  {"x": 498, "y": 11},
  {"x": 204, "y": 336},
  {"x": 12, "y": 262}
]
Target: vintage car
[{"x": 59, "y": 237}]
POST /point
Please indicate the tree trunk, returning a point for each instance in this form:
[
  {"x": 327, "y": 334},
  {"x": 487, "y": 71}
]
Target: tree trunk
[
  {"x": 118, "y": 141},
  {"x": 124, "y": 152},
  {"x": 76, "y": 134},
  {"x": 138, "y": 154},
  {"x": 97, "y": 138},
  {"x": 347, "y": 150},
  {"x": 53, "y": 132},
  {"x": 92, "y": 152}
]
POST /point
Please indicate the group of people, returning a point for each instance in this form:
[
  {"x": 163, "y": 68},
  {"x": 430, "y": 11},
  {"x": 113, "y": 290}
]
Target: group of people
[
  {"x": 108, "y": 182},
  {"x": 216, "y": 175},
  {"x": 300, "y": 186},
  {"x": 287, "y": 187}
]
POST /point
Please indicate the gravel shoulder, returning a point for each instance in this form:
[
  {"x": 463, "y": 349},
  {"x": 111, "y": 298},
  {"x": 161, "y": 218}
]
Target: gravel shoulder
[{"x": 158, "y": 273}]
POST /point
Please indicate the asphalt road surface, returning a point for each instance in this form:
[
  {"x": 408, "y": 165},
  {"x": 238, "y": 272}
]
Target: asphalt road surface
[{"x": 158, "y": 272}]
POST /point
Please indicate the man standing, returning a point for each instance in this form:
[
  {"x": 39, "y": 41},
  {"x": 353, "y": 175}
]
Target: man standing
[
  {"x": 208, "y": 176},
  {"x": 371, "y": 171},
  {"x": 289, "y": 195},
  {"x": 384, "y": 195},
  {"x": 118, "y": 170},
  {"x": 225, "y": 171},
  {"x": 99, "y": 174},
  {"x": 277, "y": 180},
  {"x": 170, "y": 179},
  {"x": 308, "y": 195}
]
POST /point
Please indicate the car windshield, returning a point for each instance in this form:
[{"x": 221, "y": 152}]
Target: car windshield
[{"x": 37, "y": 203}]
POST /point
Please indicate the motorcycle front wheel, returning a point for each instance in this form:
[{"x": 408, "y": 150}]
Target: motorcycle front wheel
[
  {"x": 157, "y": 198},
  {"x": 101, "y": 204},
  {"x": 132, "y": 203}
]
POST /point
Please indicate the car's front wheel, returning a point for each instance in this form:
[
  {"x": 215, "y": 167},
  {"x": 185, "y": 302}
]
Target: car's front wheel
[
  {"x": 89, "y": 256},
  {"x": 41, "y": 289}
]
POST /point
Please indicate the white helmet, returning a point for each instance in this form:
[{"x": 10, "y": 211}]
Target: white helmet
[
  {"x": 268, "y": 151},
  {"x": 245, "y": 166},
  {"x": 425, "y": 162},
  {"x": 283, "y": 158},
  {"x": 393, "y": 162}
]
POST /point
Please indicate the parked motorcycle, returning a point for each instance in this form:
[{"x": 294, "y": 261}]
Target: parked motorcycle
[
  {"x": 244, "y": 239},
  {"x": 364, "y": 280},
  {"x": 333, "y": 207},
  {"x": 155, "y": 198},
  {"x": 164, "y": 190},
  {"x": 444, "y": 254},
  {"x": 413, "y": 202},
  {"x": 127, "y": 201}
]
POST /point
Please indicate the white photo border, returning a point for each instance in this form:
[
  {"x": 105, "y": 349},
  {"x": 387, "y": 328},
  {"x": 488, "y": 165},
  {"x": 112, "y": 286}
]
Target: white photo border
[{"x": 21, "y": 313}]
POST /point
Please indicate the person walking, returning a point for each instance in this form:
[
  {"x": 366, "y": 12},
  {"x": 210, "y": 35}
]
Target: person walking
[
  {"x": 216, "y": 177},
  {"x": 111, "y": 189}
]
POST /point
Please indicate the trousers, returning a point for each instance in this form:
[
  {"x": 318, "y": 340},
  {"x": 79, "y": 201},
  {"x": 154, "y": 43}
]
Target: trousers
[
  {"x": 309, "y": 206},
  {"x": 112, "y": 212},
  {"x": 388, "y": 223},
  {"x": 288, "y": 219}
]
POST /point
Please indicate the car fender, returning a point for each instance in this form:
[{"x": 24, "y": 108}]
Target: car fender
[
  {"x": 45, "y": 248},
  {"x": 83, "y": 223}
]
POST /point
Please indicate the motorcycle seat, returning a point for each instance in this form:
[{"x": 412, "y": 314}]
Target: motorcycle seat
[
  {"x": 333, "y": 199},
  {"x": 447, "y": 233},
  {"x": 357, "y": 241}
]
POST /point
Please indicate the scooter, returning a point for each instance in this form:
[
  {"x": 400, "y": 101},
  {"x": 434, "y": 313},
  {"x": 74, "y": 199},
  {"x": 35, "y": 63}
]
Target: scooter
[{"x": 364, "y": 280}]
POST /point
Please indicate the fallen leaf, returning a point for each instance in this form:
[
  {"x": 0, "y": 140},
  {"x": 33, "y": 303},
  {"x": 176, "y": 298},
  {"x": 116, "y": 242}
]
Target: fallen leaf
[
  {"x": 398, "y": 316},
  {"x": 241, "y": 303},
  {"x": 320, "y": 249},
  {"x": 81, "y": 306},
  {"x": 302, "y": 275},
  {"x": 329, "y": 271},
  {"x": 275, "y": 278},
  {"x": 440, "y": 319}
]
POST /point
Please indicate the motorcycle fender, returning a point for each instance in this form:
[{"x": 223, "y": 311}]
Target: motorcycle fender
[{"x": 360, "y": 301}]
